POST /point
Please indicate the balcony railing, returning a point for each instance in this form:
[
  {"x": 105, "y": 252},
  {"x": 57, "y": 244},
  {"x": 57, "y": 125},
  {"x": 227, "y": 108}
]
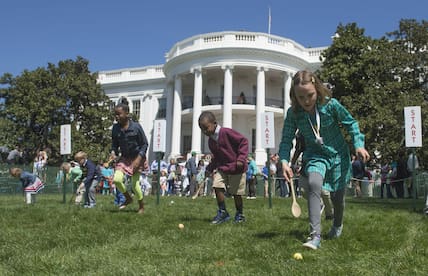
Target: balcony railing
[{"x": 271, "y": 102}]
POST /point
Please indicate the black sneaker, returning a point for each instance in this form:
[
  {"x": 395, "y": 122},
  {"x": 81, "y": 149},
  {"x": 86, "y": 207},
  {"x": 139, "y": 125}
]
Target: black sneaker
[
  {"x": 222, "y": 216},
  {"x": 239, "y": 218}
]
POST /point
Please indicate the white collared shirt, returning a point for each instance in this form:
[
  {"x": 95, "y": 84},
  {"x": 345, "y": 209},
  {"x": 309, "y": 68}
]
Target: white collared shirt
[{"x": 216, "y": 133}]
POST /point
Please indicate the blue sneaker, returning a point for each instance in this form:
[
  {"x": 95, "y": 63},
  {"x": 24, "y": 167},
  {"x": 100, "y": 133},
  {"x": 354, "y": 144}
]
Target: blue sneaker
[
  {"x": 239, "y": 218},
  {"x": 335, "y": 232},
  {"x": 222, "y": 216},
  {"x": 314, "y": 241}
]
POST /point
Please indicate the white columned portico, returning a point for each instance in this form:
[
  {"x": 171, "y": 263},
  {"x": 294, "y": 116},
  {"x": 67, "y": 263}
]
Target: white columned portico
[
  {"x": 260, "y": 108},
  {"x": 176, "y": 123},
  {"x": 227, "y": 98},
  {"x": 287, "y": 85},
  {"x": 197, "y": 106},
  {"x": 169, "y": 110}
]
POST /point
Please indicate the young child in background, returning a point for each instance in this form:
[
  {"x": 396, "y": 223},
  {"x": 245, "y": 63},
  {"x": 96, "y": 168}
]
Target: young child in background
[
  {"x": 31, "y": 184},
  {"x": 128, "y": 140},
  {"x": 145, "y": 185},
  {"x": 200, "y": 179},
  {"x": 228, "y": 165},
  {"x": 74, "y": 175},
  {"x": 163, "y": 182},
  {"x": 265, "y": 175},
  {"x": 184, "y": 181},
  {"x": 40, "y": 164},
  {"x": 107, "y": 178},
  {"x": 326, "y": 156},
  {"x": 91, "y": 178}
]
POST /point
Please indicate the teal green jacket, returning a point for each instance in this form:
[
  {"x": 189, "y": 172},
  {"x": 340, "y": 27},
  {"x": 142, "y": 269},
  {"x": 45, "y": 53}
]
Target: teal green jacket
[
  {"x": 76, "y": 175},
  {"x": 332, "y": 159}
]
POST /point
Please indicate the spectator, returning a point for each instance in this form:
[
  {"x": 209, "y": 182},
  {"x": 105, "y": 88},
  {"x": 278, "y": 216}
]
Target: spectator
[
  {"x": 412, "y": 167},
  {"x": 358, "y": 171},
  {"x": 192, "y": 171},
  {"x": 200, "y": 179},
  {"x": 401, "y": 174},
  {"x": 145, "y": 185},
  {"x": 40, "y": 165},
  {"x": 385, "y": 180},
  {"x": 252, "y": 172},
  {"x": 272, "y": 171},
  {"x": 14, "y": 156},
  {"x": 107, "y": 178},
  {"x": 163, "y": 182},
  {"x": 172, "y": 176},
  {"x": 265, "y": 175},
  {"x": 241, "y": 99}
]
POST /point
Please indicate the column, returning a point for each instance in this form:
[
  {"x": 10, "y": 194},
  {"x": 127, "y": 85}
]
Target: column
[
  {"x": 176, "y": 123},
  {"x": 227, "y": 100},
  {"x": 260, "y": 108},
  {"x": 169, "y": 110},
  {"x": 287, "y": 85},
  {"x": 197, "y": 106},
  {"x": 149, "y": 105}
]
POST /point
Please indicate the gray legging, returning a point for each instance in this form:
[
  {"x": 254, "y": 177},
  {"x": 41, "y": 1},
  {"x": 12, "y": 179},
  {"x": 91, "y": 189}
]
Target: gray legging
[
  {"x": 90, "y": 193},
  {"x": 312, "y": 185}
]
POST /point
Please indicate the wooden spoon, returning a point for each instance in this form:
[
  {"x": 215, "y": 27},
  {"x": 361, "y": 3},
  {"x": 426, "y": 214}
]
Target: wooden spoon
[{"x": 295, "y": 207}]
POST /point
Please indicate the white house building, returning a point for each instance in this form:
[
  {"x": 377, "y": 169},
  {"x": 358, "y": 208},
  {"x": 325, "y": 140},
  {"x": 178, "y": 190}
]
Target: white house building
[{"x": 209, "y": 72}]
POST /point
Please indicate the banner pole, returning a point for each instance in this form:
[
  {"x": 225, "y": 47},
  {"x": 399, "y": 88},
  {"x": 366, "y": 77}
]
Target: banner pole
[{"x": 269, "y": 179}]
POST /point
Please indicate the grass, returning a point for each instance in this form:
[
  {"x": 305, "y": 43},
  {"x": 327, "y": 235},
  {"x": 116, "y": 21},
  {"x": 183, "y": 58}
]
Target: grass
[{"x": 381, "y": 237}]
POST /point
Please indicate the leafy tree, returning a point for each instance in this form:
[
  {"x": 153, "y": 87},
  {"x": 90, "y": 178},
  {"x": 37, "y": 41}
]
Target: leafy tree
[
  {"x": 38, "y": 102},
  {"x": 372, "y": 78}
]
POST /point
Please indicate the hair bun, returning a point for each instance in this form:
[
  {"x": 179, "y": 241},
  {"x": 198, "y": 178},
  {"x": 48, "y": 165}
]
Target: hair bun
[{"x": 124, "y": 100}]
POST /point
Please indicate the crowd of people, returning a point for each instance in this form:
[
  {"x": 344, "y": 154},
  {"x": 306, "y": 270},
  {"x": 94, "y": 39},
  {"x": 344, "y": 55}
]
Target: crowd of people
[{"x": 394, "y": 177}]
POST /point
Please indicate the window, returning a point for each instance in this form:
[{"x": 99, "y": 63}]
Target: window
[
  {"x": 136, "y": 108},
  {"x": 187, "y": 143},
  {"x": 162, "y": 109}
]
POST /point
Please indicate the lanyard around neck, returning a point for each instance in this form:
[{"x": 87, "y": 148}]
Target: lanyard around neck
[{"x": 316, "y": 128}]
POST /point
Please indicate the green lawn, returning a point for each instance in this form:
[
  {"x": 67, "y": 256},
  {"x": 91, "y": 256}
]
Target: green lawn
[{"x": 381, "y": 237}]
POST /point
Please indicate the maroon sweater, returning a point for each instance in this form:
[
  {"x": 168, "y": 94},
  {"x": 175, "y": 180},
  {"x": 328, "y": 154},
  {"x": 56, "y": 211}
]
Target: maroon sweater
[{"x": 231, "y": 146}]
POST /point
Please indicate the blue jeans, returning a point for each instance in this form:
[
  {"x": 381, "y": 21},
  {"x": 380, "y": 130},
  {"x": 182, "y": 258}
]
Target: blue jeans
[{"x": 283, "y": 187}]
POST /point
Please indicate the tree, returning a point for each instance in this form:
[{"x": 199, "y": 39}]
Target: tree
[
  {"x": 38, "y": 102},
  {"x": 371, "y": 78}
]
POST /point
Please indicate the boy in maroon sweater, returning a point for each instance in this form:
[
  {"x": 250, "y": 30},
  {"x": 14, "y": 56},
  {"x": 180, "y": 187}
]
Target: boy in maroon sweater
[{"x": 229, "y": 149}]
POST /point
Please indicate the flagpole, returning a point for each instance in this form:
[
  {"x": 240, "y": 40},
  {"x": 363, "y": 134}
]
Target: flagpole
[{"x": 270, "y": 21}]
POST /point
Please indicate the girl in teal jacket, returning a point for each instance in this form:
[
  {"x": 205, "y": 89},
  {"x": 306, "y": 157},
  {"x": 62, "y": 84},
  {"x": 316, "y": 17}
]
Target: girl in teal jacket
[{"x": 326, "y": 158}]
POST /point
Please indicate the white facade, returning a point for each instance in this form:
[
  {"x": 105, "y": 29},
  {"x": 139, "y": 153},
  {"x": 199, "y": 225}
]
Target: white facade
[{"x": 209, "y": 72}]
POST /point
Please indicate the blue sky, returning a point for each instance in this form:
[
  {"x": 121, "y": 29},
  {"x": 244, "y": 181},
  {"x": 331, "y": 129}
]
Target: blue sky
[{"x": 135, "y": 33}]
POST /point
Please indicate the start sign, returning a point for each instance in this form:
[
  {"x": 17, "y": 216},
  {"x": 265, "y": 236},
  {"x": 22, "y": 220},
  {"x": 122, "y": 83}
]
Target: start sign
[
  {"x": 268, "y": 130},
  {"x": 413, "y": 126},
  {"x": 159, "y": 134}
]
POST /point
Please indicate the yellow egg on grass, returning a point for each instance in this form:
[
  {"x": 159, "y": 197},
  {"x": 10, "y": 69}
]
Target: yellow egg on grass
[
  {"x": 181, "y": 226},
  {"x": 298, "y": 256}
]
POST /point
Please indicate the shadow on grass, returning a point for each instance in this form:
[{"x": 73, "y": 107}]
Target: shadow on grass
[
  {"x": 193, "y": 218},
  {"x": 266, "y": 235},
  {"x": 396, "y": 204}
]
